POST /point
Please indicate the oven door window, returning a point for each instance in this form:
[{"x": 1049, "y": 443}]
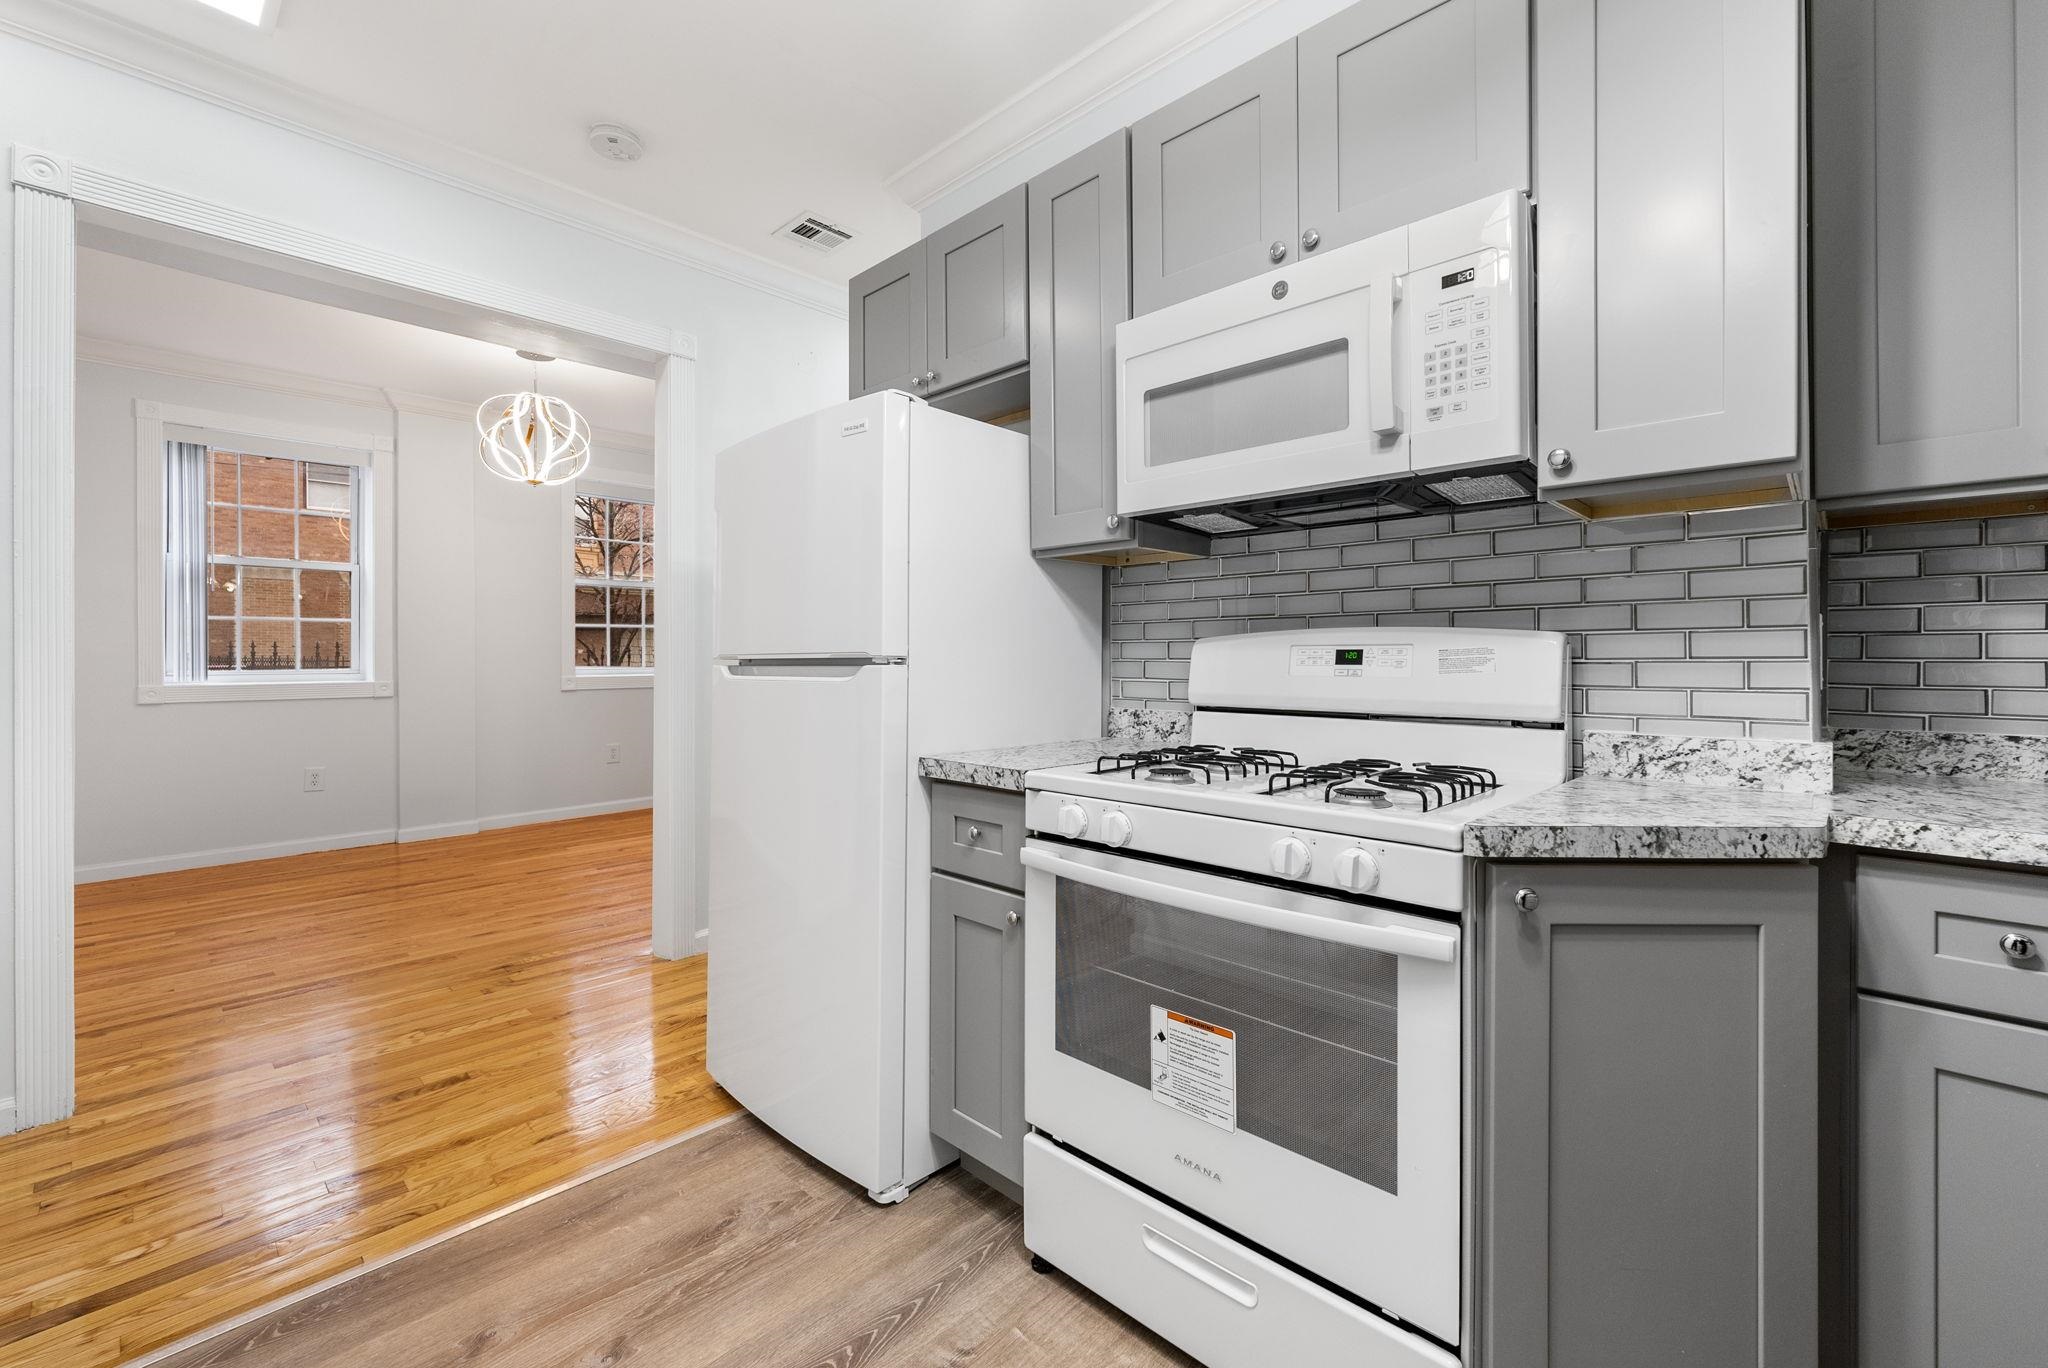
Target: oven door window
[{"x": 1316, "y": 1023}]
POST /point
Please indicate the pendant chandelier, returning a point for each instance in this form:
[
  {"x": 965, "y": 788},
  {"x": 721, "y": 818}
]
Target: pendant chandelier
[{"x": 531, "y": 437}]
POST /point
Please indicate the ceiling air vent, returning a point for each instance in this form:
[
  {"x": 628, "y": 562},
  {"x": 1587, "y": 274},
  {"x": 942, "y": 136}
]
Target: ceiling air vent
[{"x": 814, "y": 233}]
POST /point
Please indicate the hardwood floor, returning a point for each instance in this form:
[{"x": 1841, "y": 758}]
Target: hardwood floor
[
  {"x": 731, "y": 1250},
  {"x": 291, "y": 1068}
]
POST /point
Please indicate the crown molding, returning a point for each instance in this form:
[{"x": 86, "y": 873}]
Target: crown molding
[
  {"x": 174, "y": 65},
  {"x": 299, "y": 385},
  {"x": 1147, "y": 42}
]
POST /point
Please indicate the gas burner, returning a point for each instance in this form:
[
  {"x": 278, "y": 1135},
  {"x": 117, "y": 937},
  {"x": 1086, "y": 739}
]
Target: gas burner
[
  {"x": 1169, "y": 774},
  {"x": 1360, "y": 795}
]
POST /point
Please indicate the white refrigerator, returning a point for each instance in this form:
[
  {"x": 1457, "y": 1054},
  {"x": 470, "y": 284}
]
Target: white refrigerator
[{"x": 876, "y": 599}]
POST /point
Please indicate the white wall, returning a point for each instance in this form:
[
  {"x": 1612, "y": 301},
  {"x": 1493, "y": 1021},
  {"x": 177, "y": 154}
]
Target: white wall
[
  {"x": 480, "y": 731},
  {"x": 763, "y": 357},
  {"x": 1266, "y": 27}
]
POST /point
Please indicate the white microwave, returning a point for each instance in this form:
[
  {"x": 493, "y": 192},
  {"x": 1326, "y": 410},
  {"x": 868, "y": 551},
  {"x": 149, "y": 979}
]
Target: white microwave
[{"x": 1396, "y": 357}]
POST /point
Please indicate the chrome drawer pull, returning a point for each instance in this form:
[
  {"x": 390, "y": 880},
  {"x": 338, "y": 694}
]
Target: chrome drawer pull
[{"x": 2016, "y": 946}]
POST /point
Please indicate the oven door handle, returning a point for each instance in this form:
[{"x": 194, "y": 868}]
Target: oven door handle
[{"x": 1392, "y": 940}]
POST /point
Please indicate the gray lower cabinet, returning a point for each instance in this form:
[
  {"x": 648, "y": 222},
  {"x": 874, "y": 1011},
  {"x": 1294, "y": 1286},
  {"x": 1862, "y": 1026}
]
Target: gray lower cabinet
[
  {"x": 1213, "y": 184},
  {"x": 977, "y": 1039},
  {"x": 1952, "y": 1207},
  {"x": 885, "y": 307},
  {"x": 1649, "y": 1136},
  {"x": 1408, "y": 108},
  {"x": 1930, "y": 203},
  {"x": 1669, "y": 157}
]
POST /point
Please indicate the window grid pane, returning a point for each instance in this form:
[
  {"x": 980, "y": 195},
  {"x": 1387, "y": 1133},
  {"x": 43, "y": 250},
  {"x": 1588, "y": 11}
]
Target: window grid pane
[
  {"x": 296, "y": 613},
  {"x": 612, "y": 558}
]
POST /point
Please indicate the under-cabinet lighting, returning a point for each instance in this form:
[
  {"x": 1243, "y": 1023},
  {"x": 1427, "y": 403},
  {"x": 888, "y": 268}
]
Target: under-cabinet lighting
[{"x": 261, "y": 13}]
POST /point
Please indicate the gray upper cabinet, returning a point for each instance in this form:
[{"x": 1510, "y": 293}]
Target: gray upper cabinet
[
  {"x": 886, "y": 322},
  {"x": 1213, "y": 184},
  {"x": 1407, "y": 108},
  {"x": 1080, "y": 291},
  {"x": 1930, "y": 206},
  {"x": 1651, "y": 1116},
  {"x": 977, "y": 1054},
  {"x": 1668, "y": 164},
  {"x": 1952, "y": 1181},
  {"x": 975, "y": 304}
]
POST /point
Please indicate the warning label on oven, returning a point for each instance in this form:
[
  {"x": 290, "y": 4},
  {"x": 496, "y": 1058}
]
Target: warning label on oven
[
  {"x": 1465, "y": 660},
  {"x": 1194, "y": 1067}
]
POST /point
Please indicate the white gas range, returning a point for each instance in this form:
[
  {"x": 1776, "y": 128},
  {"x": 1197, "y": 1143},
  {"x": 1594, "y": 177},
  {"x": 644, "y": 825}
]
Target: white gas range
[{"x": 1245, "y": 991}]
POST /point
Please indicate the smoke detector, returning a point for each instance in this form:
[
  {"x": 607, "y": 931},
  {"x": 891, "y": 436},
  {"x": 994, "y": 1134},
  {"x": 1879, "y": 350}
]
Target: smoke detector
[
  {"x": 616, "y": 142},
  {"x": 810, "y": 231}
]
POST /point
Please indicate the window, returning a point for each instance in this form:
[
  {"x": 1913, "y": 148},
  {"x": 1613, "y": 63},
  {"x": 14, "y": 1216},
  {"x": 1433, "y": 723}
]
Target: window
[{"x": 611, "y": 566}]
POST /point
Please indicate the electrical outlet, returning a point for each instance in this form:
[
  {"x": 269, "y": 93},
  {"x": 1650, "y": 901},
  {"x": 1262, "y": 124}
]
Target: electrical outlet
[
  {"x": 316, "y": 779},
  {"x": 611, "y": 753}
]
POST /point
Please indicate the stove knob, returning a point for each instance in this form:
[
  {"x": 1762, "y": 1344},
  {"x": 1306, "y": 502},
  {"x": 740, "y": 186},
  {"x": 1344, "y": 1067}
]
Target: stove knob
[
  {"x": 1289, "y": 857},
  {"x": 1072, "y": 820},
  {"x": 1116, "y": 828},
  {"x": 1358, "y": 871}
]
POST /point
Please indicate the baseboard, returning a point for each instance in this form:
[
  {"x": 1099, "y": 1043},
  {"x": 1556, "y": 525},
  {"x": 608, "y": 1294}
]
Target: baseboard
[
  {"x": 436, "y": 832},
  {"x": 9, "y": 1123},
  {"x": 562, "y": 814},
  {"x": 200, "y": 859}
]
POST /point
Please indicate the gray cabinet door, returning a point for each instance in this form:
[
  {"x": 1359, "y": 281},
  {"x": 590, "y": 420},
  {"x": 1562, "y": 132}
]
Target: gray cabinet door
[
  {"x": 1952, "y": 1189},
  {"x": 975, "y": 302},
  {"x": 885, "y": 309},
  {"x": 1650, "y": 1132},
  {"x": 1213, "y": 184},
  {"x": 1080, "y": 291},
  {"x": 1408, "y": 108},
  {"x": 977, "y": 1041},
  {"x": 1668, "y": 143},
  {"x": 1930, "y": 205}
]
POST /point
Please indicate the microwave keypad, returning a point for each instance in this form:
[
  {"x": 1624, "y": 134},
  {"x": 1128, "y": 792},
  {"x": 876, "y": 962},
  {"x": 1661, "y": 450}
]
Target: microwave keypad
[{"x": 1457, "y": 356}]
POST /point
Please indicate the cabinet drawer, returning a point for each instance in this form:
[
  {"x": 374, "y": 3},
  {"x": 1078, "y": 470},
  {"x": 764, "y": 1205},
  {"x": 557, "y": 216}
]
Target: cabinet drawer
[
  {"x": 1215, "y": 1298},
  {"x": 1945, "y": 935},
  {"x": 978, "y": 833}
]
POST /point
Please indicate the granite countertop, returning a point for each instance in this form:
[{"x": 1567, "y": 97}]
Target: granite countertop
[
  {"x": 1617, "y": 819},
  {"x": 1006, "y": 766}
]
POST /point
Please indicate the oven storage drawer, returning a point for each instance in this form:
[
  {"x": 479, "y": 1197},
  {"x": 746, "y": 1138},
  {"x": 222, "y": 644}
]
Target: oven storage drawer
[
  {"x": 1222, "y": 1303},
  {"x": 977, "y": 833},
  {"x": 1970, "y": 938}
]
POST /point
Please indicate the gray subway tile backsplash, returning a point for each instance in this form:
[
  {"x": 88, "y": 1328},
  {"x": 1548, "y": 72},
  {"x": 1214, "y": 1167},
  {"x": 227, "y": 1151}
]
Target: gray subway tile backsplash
[{"x": 1952, "y": 637}]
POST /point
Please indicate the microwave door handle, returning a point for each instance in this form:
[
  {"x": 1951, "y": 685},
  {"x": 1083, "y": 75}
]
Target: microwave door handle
[
  {"x": 1380, "y": 302},
  {"x": 1392, "y": 940}
]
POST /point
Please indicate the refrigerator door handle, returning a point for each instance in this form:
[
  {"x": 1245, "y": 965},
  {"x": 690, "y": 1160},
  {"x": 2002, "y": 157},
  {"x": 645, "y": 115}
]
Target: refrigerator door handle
[{"x": 839, "y": 667}]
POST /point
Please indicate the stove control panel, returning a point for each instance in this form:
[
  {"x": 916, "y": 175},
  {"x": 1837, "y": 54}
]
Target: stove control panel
[{"x": 1421, "y": 876}]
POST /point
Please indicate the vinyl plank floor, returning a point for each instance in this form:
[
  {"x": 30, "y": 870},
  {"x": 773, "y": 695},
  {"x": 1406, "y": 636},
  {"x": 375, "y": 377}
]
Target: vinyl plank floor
[{"x": 728, "y": 1250}]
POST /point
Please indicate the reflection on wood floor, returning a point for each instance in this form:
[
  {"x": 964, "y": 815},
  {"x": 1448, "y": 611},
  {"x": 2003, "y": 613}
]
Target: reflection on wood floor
[
  {"x": 731, "y": 1250},
  {"x": 290, "y": 1068}
]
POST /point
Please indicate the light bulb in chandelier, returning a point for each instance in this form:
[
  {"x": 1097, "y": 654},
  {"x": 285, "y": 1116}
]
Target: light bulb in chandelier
[{"x": 531, "y": 437}]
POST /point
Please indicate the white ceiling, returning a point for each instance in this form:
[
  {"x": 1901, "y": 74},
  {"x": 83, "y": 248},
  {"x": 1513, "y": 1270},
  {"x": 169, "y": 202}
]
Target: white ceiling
[
  {"x": 139, "y": 304},
  {"x": 854, "y": 110}
]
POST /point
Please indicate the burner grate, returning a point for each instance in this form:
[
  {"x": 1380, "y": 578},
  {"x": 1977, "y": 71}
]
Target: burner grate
[{"x": 1375, "y": 781}]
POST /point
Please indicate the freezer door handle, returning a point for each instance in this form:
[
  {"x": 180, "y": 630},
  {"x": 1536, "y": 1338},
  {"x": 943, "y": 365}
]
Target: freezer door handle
[{"x": 840, "y": 668}]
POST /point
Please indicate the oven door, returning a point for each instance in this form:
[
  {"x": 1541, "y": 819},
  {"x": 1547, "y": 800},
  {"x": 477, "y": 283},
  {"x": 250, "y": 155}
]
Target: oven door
[
  {"x": 1276, "y": 385},
  {"x": 1287, "y": 1065}
]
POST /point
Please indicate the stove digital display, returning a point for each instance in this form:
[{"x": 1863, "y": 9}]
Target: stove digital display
[{"x": 1350, "y": 655}]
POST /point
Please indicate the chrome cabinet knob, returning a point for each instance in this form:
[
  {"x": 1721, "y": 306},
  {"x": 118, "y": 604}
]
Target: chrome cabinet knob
[
  {"x": 1559, "y": 460},
  {"x": 1012, "y": 917},
  {"x": 930, "y": 378},
  {"x": 1277, "y": 252},
  {"x": 2016, "y": 946},
  {"x": 1526, "y": 900},
  {"x": 1311, "y": 240},
  {"x": 973, "y": 834},
  {"x": 1112, "y": 522}
]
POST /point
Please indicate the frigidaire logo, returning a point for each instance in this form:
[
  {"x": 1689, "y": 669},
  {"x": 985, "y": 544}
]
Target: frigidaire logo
[{"x": 1192, "y": 1167}]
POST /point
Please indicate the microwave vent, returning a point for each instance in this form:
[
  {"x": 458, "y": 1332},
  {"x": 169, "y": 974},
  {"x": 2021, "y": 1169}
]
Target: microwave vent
[
  {"x": 1215, "y": 524},
  {"x": 813, "y": 232},
  {"x": 1474, "y": 489}
]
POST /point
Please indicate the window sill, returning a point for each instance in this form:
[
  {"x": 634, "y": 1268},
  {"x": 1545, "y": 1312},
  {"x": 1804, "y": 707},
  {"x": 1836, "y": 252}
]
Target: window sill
[
  {"x": 607, "y": 679},
  {"x": 262, "y": 692}
]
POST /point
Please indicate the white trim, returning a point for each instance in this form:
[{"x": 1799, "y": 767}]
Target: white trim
[
  {"x": 349, "y": 1275},
  {"x": 583, "y": 680},
  {"x": 436, "y": 831},
  {"x": 682, "y": 498},
  {"x": 44, "y": 816},
  {"x": 562, "y": 814},
  {"x": 231, "y": 855},
  {"x": 1146, "y": 43},
  {"x": 376, "y": 527},
  {"x": 432, "y": 406},
  {"x": 151, "y": 56},
  {"x": 192, "y": 366},
  {"x": 8, "y": 1114}
]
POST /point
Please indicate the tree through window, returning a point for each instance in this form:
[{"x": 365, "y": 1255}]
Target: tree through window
[{"x": 612, "y": 557}]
